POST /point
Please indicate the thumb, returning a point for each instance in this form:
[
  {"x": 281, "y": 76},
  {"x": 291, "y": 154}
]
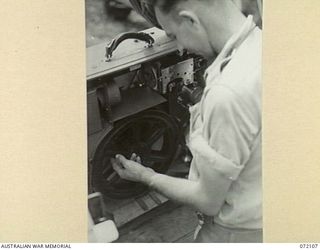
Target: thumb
[{"x": 122, "y": 160}]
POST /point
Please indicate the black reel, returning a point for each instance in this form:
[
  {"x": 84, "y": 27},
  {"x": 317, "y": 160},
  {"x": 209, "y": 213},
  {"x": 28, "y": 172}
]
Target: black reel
[{"x": 152, "y": 134}]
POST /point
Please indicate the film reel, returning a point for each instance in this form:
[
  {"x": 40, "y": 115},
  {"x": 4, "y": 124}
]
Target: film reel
[{"x": 151, "y": 134}]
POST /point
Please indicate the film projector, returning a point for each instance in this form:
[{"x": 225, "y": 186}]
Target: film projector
[{"x": 139, "y": 90}]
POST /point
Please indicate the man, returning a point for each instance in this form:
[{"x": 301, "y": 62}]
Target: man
[{"x": 225, "y": 126}]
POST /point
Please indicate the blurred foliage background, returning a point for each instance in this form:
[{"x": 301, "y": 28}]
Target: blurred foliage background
[{"x": 107, "y": 18}]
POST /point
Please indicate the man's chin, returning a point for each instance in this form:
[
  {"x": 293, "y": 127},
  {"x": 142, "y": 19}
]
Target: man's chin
[{"x": 208, "y": 57}]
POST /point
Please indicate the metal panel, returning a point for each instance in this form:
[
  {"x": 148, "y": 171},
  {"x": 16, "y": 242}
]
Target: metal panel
[
  {"x": 94, "y": 120},
  {"x": 134, "y": 101},
  {"x": 129, "y": 54},
  {"x": 183, "y": 70}
]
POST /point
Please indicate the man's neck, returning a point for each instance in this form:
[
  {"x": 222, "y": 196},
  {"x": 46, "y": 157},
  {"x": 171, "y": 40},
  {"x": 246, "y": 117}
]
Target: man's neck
[{"x": 222, "y": 25}]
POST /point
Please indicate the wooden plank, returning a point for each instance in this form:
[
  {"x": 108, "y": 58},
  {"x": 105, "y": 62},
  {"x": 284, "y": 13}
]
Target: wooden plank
[
  {"x": 155, "y": 197},
  {"x": 158, "y": 197},
  {"x": 113, "y": 205},
  {"x": 150, "y": 203},
  {"x": 126, "y": 213},
  {"x": 168, "y": 223}
]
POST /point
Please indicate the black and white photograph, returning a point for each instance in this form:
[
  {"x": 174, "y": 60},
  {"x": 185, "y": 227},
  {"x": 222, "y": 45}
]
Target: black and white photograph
[
  {"x": 159, "y": 121},
  {"x": 174, "y": 124}
]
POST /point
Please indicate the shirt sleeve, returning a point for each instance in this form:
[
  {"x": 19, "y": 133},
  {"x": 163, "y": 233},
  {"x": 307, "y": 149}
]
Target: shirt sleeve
[{"x": 230, "y": 126}]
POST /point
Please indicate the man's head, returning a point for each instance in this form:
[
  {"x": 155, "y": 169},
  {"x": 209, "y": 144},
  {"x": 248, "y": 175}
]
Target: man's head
[
  {"x": 200, "y": 26},
  {"x": 179, "y": 18}
]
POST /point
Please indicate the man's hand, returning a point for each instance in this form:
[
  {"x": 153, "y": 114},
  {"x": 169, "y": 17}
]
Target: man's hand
[{"x": 132, "y": 170}]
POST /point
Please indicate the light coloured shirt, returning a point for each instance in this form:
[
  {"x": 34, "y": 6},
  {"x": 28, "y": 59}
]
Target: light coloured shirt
[{"x": 225, "y": 127}]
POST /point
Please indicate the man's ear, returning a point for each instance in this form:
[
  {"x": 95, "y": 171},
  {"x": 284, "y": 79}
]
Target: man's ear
[{"x": 190, "y": 17}]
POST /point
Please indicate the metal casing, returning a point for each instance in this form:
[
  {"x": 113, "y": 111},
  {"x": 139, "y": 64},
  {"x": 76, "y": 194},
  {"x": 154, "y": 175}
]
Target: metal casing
[{"x": 129, "y": 55}]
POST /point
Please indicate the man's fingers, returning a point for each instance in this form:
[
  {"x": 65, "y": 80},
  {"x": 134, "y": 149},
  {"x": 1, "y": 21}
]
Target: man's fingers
[
  {"x": 138, "y": 159},
  {"x": 133, "y": 157}
]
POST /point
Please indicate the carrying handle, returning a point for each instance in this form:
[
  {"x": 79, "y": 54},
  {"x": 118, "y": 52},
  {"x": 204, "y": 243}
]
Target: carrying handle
[{"x": 130, "y": 35}]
